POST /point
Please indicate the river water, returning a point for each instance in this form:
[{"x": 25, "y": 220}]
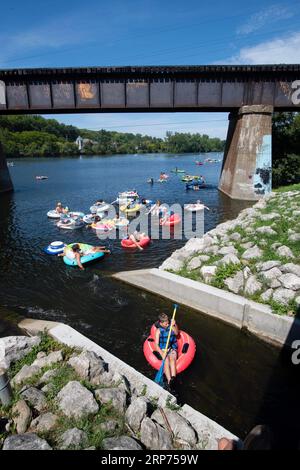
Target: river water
[{"x": 235, "y": 379}]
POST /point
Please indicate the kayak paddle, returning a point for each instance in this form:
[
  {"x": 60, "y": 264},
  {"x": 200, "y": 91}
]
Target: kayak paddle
[{"x": 159, "y": 376}]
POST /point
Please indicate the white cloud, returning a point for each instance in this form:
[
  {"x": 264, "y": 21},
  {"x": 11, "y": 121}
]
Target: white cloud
[
  {"x": 268, "y": 15},
  {"x": 284, "y": 50}
]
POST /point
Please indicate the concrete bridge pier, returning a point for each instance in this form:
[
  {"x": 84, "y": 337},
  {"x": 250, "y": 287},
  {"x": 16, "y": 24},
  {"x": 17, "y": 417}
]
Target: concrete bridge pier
[
  {"x": 247, "y": 164},
  {"x": 5, "y": 181}
]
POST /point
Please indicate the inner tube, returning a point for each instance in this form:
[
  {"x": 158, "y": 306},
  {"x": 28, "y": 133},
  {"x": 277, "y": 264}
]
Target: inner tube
[
  {"x": 177, "y": 171},
  {"x": 70, "y": 224},
  {"x": 98, "y": 208},
  {"x": 194, "y": 207},
  {"x": 53, "y": 214},
  {"x": 174, "y": 219},
  {"x": 103, "y": 226},
  {"x": 128, "y": 244},
  {"x": 73, "y": 214},
  {"x": 131, "y": 210},
  {"x": 55, "y": 248},
  {"x": 84, "y": 259},
  {"x": 186, "y": 351},
  {"x": 88, "y": 218}
]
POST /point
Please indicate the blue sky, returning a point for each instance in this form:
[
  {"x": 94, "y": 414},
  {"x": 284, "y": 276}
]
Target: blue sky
[{"x": 97, "y": 32}]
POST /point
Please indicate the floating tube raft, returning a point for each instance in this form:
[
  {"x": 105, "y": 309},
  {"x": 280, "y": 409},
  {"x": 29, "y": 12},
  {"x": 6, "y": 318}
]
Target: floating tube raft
[
  {"x": 186, "y": 351},
  {"x": 53, "y": 214},
  {"x": 129, "y": 245},
  {"x": 55, "y": 248},
  {"x": 70, "y": 224},
  {"x": 85, "y": 258},
  {"x": 194, "y": 207},
  {"x": 131, "y": 210},
  {"x": 174, "y": 219}
]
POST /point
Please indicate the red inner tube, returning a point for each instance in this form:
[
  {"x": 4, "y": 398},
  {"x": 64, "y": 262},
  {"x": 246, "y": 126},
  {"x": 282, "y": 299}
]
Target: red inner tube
[
  {"x": 186, "y": 350},
  {"x": 128, "y": 244},
  {"x": 172, "y": 220}
]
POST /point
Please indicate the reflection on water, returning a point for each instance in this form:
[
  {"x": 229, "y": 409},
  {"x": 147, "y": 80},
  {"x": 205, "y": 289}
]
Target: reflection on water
[{"x": 229, "y": 366}]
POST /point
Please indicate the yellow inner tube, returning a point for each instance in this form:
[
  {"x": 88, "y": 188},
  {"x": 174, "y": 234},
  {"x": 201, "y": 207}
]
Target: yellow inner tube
[{"x": 131, "y": 210}]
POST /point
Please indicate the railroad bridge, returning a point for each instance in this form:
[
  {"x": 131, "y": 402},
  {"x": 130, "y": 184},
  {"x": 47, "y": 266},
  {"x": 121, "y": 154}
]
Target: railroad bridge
[{"x": 250, "y": 94}]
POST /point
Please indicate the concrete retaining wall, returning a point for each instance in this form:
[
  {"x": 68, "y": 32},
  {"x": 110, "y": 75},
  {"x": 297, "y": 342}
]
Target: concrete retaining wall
[
  {"x": 208, "y": 430},
  {"x": 230, "y": 308}
]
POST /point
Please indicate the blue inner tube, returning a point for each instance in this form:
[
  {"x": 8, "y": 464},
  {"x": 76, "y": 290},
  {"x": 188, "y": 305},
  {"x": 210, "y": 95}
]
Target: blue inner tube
[
  {"x": 54, "y": 248},
  {"x": 84, "y": 259}
]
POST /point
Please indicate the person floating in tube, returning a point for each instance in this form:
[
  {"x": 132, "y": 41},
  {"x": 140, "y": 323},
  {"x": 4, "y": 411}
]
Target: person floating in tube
[{"x": 163, "y": 327}]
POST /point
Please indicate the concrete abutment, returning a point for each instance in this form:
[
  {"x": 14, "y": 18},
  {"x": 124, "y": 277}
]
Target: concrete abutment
[{"x": 5, "y": 180}]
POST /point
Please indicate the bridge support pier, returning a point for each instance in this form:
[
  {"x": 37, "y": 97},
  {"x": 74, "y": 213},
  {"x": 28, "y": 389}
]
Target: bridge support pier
[
  {"x": 5, "y": 181},
  {"x": 247, "y": 164}
]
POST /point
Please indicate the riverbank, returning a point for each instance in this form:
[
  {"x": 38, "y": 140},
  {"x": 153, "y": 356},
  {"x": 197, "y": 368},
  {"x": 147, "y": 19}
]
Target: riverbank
[
  {"x": 69, "y": 393},
  {"x": 256, "y": 255}
]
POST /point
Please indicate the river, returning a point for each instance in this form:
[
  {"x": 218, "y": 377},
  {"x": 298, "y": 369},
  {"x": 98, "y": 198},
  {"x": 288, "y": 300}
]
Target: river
[{"x": 235, "y": 379}]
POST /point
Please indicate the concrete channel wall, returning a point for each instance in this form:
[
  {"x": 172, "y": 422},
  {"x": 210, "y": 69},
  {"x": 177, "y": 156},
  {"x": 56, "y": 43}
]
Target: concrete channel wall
[
  {"x": 208, "y": 430},
  {"x": 230, "y": 308}
]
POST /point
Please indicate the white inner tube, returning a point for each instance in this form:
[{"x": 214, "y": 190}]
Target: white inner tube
[
  {"x": 53, "y": 214},
  {"x": 194, "y": 207}
]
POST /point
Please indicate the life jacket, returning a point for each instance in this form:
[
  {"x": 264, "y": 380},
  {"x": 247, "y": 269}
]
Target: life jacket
[{"x": 163, "y": 337}]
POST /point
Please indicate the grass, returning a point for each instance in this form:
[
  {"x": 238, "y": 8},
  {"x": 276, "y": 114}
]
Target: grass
[
  {"x": 292, "y": 187},
  {"x": 223, "y": 272}
]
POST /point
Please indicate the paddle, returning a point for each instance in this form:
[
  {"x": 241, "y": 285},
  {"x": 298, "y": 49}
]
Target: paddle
[{"x": 159, "y": 376}]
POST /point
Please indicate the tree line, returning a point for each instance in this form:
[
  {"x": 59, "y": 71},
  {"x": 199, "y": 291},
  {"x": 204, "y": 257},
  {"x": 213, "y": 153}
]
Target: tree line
[{"x": 35, "y": 136}]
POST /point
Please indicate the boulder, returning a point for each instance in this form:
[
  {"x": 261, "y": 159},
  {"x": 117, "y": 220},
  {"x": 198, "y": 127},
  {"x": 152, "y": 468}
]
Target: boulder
[
  {"x": 28, "y": 441},
  {"x": 88, "y": 366},
  {"x": 116, "y": 396},
  {"x": 120, "y": 443},
  {"x": 172, "y": 264},
  {"x": 195, "y": 263},
  {"x": 35, "y": 398},
  {"x": 291, "y": 268},
  {"x": 271, "y": 277},
  {"x": 235, "y": 236},
  {"x": 267, "y": 295},
  {"x": 44, "y": 423},
  {"x": 229, "y": 259},
  {"x": 283, "y": 296},
  {"x": 266, "y": 230},
  {"x": 48, "y": 375},
  {"x": 181, "y": 428},
  {"x": 109, "y": 426},
  {"x": 252, "y": 253},
  {"x": 236, "y": 283},
  {"x": 21, "y": 416},
  {"x": 208, "y": 272},
  {"x": 247, "y": 245},
  {"x": 267, "y": 265},
  {"x": 295, "y": 237},
  {"x": 285, "y": 252},
  {"x": 290, "y": 281},
  {"x": 72, "y": 439},
  {"x": 24, "y": 374},
  {"x": 252, "y": 286},
  {"x": 136, "y": 412},
  {"x": 16, "y": 347},
  {"x": 76, "y": 401},
  {"x": 154, "y": 436},
  {"x": 226, "y": 250},
  {"x": 203, "y": 258},
  {"x": 46, "y": 361}
]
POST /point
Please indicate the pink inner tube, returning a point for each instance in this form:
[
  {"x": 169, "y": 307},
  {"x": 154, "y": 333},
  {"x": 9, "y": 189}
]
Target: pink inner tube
[
  {"x": 172, "y": 220},
  {"x": 128, "y": 244}
]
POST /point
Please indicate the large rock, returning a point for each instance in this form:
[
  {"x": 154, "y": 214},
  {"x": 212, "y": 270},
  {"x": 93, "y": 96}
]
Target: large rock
[
  {"x": 116, "y": 396},
  {"x": 252, "y": 253},
  {"x": 35, "y": 398},
  {"x": 21, "y": 416},
  {"x": 271, "y": 216},
  {"x": 120, "y": 443},
  {"x": 72, "y": 439},
  {"x": 285, "y": 252},
  {"x": 291, "y": 268},
  {"x": 266, "y": 230},
  {"x": 181, "y": 428},
  {"x": 76, "y": 401},
  {"x": 154, "y": 436},
  {"x": 271, "y": 277},
  {"x": 195, "y": 263},
  {"x": 24, "y": 374},
  {"x": 283, "y": 296},
  {"x": 88, "y": 366},
  {"x": 229, "y": 259},
  {"x": 110, "y": 426},
  {"x": 44, "y": 423},
  {"x": 28, "y": 441},
  {"x": 252, "y": 286},
  {"x": 172, "y": 264},
  {"x": 267, "y": 295},
  {"x": 295, "y": 237},
  {"x": 208, "y": 272},
  {"x": 52, "y": 358},
  {"x": 47, "y": 376},
  {"x": 235, "y": 236},
  {"x": 290, "y": 281},
  {"x": 267, "y": 265},
  {"x": 226, "y": 250},
  {"x": 236, "y": 283},
  {"x": 16, "y": 347},
  {"x": 136, "y": 412}
]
